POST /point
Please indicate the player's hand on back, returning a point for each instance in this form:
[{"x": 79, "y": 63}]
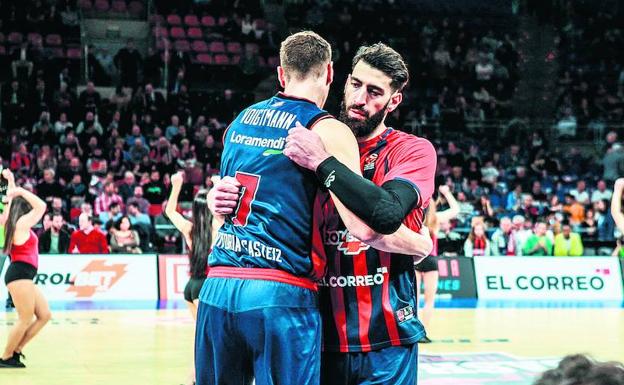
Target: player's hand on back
[
  {"x": 305, "y": 147},
  {"x": 223, "y": 197}
]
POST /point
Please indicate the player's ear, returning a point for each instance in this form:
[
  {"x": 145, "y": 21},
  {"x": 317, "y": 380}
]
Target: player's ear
[
  {"x": 330, "y": 73},
  {"x": 281, "y": 76},
  {"x": 395, "y": 100}
]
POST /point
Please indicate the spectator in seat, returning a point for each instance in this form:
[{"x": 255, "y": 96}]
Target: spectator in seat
[
  {"x": 477, "y": 244},
  {"x": 580, "y": 193},
  {"x": 568, "y": 243},
  {"x": 56, "y": 239},
  {"x": 13, "y": 105},
  {"x": 574, "y": 209},
  {"x": 502, "y": 242},
  {"x": 136, "y": 216},
  {"x": 128, "y": 61},
  {"x": 108, "y": 218},
  {"x": 601, "y": 193},
  {"x": 49, "y": 187},
  {"x": 138, "y": 199},
  {"x": 154, "y": 190},
  {"x": 108, "y": 196},
  {"x": 520, "y": 233},
  {"x": 22, "y": 58},
  {"x": 87, "y": 239},
  {"x": 123, "y": 238},
  {"x": 449, "y": 241},
  {"x": 527, "y": 208},
  {"x": 89, "y": 99},
  {"x": 173, "y": 129},
  {"x": 613, "y": 163},
  {"x": 538, "y": 244},
  {"x": 126, "y": 189}
]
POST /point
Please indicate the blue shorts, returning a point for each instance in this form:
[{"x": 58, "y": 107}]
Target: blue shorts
[
  {"x": 266, "y": 330},
  {"x": 396, "y": 365}
]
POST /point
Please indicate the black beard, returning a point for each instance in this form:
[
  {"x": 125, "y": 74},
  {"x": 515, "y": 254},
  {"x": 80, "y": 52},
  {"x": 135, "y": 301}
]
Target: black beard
[{"x": 362, "y": 128}]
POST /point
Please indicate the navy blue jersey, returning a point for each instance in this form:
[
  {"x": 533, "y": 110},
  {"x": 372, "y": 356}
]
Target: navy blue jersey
[{"x": 272, "y": 225}]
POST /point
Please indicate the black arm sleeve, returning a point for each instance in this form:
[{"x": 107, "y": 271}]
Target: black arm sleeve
[{"x": 381, "y": 208}]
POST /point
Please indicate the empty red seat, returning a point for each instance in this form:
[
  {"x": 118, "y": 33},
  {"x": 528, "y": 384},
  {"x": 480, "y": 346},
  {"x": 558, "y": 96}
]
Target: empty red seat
[
  {"x": 182, "y": 45},
  {"x": 191, "y": 21},
  {"x": 15, "y": 38},
  {"x": 273, "y": 61},
  {"x": 221, "y": 59},
  {"x": 177, "y": 33},
  {"x": 204, "y": 58},
  {"x": 119, "y": 6},
  {"x": 74, "y": 52},
  {"x": 156, "y": 19},
  {"x": 252, "y": 47},
  {"x": 154, "y": 210},
  {"x": 54, "y": 39},
  {"x": 208, "y": 21},
  {"x": 85, "y": 4},
  {"x": 222, "y": 21},
  {"x": 234, "y": 47},
  {"x": 136, "y": 7},
  {"x": 163, "y": 43},
  {"x": 34, "y": 38},
  {"x": 174, "y": 20},
  {"x": 235, "y": 59},
  {"x": 159, "y": 32},
  {"x": 101, "y": 5},
  {"x": 194, "y": 33},
  {"x": 199, "y": 46},
  {"x": 260, "y": 24},
  {"x": 217, "y": 47}
]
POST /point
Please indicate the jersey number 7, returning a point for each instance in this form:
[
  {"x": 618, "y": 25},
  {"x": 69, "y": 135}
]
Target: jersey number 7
[{"x": 249, "y": 187}]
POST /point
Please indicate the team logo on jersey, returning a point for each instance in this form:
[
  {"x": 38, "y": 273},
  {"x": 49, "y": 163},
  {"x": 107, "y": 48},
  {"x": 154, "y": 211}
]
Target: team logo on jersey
[
  {"x": 369, "y": 163},
  {"x": 405, "y": 314},
  {"x": 345, "y": 242}
]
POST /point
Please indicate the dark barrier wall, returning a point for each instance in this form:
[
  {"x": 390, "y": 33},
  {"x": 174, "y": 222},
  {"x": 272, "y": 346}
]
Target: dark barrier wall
[{"x": 457, "y": 278}]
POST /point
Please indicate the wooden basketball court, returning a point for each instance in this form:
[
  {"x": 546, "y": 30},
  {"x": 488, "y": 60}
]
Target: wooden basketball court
[{"x": 155, "y": 347}]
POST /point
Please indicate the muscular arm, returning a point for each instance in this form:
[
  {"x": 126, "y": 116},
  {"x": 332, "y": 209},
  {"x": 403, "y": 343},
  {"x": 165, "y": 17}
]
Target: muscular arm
[{"x": 371, "y": 213}]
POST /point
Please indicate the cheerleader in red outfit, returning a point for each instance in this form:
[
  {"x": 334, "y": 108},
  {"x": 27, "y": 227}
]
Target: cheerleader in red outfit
[
  {"x": 198, "y": 236},
  {"x": 22, "y": 245}
]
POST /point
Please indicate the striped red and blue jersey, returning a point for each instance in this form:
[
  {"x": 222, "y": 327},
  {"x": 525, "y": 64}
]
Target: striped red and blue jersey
[
  {"x": 367, "y": 296},
  {"x": 272, "y": 225}
]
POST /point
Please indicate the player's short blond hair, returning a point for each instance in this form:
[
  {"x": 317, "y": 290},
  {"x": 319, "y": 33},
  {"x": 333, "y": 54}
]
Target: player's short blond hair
[{"x": 304, "y": 54}]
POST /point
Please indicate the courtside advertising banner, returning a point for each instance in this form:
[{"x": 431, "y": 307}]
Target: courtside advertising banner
[
  {"x": 456, "y": 278},
  {"x": 107, "y": 277},
  {"x": 173, "y": 274},
  {"x": 543, "y": 278}
]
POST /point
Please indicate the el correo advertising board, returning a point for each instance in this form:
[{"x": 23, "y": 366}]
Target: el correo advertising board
[{"x": 563, "y": 278}]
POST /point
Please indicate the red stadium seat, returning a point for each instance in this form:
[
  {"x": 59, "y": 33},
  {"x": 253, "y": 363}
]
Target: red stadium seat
[
  {"x": 34, "y": 38},
  {"x": 191, "y": 21},
  {"x": 119, "y": 6},
  {"x": 261, "y": 61},
  {"x": 208, "y": 21},
  {"x": 15, "y": 38},
  {"x": 85, "y": 5},
  {"x": 136, "y": 8},
  {"x": 2, "y": 51},
  {"x": 54, "y": 39},
  {"x": 177, "y": 33},
  {"x": 252, "y": 47},
  {"x": 234, "y": 48},
  {"x": 156, "y": 19},
  {"x": 235, "y": 59},
  {"x": 74, "y": 52},
  {"x": 154, "y": 210},
  {"x": 163, "y": 43},
  {"x": 57, "y": 52},
  {"x": 260, "y": 24},
  {"x": 159, "y": 32},
  {"x": 194, "y": 33},
  {"x": 173, "y": 19},
  {"x": 74, "y": 213},
  {"x": 101, "y": 5},
  {"x": 221, "y": 59},
  {"x": 199, "y": 46},
  {"x": 204, "y": 58},
  {"x": 273, "y": 61},
  {"x": 182, "y": 45},
  {"x": 222, "y": 21},
  {"x": 217, "y": 47}
]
